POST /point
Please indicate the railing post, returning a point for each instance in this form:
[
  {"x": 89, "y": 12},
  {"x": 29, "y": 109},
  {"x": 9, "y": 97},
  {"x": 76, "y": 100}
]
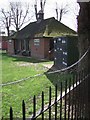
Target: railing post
[
  {"x": 34, "y": 107},
  {"x": 88, "y": 93},
  {"x": 42, "y": 105},
  {"x": 23, "y": 109},
  {"x": 76, "y": 97},
  {"x": 11, "y": 113},
  {"x": 69, "y": 99},
  {"x": 80, "y": 86},
  {"x": 61, "y": 101},
  {"x": 73, "y": 97},
  {"x": 65, "y": 99},
  {"x": 89, "y": 79},
  {"x": 50, "y": 103},
  {"x": 56, "y": 102}
]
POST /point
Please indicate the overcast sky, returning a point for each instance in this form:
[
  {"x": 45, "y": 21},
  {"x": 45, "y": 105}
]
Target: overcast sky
[{"x": 68, "y": 19}]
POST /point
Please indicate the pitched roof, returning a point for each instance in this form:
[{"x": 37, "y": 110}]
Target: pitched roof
[{"x": 46, "y": 28}]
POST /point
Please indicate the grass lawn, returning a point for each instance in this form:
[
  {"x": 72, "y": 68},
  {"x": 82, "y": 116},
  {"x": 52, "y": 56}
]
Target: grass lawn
[{"x": 14, "y": 69}]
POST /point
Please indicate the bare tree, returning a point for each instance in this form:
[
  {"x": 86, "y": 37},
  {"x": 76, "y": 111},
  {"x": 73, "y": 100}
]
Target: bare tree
[
  {"x": 56, "y": 11},
  {"x": 16, "y": 16},
  {"x": 60, "y": 11},
  {"x": 6, "y": 19},
  {"x": 35, "y": 6},
  {"x": 19, "y": 14},
  {"x": 42, "y": 6}
]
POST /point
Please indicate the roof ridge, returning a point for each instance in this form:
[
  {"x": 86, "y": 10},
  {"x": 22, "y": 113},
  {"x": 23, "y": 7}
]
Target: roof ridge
[{"x": 47, "y": 27}]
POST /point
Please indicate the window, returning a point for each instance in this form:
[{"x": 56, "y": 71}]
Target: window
[
  {"x": 27, "y": 45},
  {"x": 22, "y": 44},
  {"x": 10, "y": 41},
  {"x": 36, "y": 42}
]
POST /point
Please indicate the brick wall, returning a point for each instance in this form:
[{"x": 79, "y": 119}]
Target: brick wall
[
  {"x": 41, "y": 49},
  {"x": 3, "y": 42},
  {"x": 11, "y": 47},
  {"x": 4, "y": 45}
]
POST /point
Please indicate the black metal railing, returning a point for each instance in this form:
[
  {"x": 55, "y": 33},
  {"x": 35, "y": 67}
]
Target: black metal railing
[{"x": 71, "y": 103}]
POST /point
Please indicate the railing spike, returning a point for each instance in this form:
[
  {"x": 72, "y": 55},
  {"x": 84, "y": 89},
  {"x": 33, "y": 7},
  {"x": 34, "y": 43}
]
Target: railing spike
[
  {"x": 23, "y": 109},
  {"x": 11, "y": 113}
]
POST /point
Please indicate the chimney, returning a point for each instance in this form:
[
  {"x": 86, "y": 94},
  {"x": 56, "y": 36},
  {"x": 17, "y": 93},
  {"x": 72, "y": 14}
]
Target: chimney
[{"x": 40, "y": 16}]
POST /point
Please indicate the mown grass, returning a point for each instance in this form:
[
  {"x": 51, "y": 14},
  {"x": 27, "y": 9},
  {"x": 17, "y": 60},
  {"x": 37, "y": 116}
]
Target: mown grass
[
  {"x": 16, "y": 68},
  {"x": 13, "y": 69}
]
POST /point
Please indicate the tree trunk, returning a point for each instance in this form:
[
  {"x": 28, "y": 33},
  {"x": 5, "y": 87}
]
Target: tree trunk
[
  {"x": 8, "y": 32},
  {"x": 84, "y": 42},
  {"x": 83, "y": 31}
]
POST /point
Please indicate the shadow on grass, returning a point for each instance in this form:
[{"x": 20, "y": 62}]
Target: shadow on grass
[
  {"x": 24, "y": 58},
  {"x": 32, "y": 60},
  {"x": 57, "y": 78}
]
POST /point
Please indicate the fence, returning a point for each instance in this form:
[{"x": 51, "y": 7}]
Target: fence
[{"x": 70, "y": 104}]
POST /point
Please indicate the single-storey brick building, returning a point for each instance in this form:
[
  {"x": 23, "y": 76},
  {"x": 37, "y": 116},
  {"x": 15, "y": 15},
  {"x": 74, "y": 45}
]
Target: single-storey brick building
[
  {"x": 3, "y": 42},
  {"x": 36, "y": 39}
]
